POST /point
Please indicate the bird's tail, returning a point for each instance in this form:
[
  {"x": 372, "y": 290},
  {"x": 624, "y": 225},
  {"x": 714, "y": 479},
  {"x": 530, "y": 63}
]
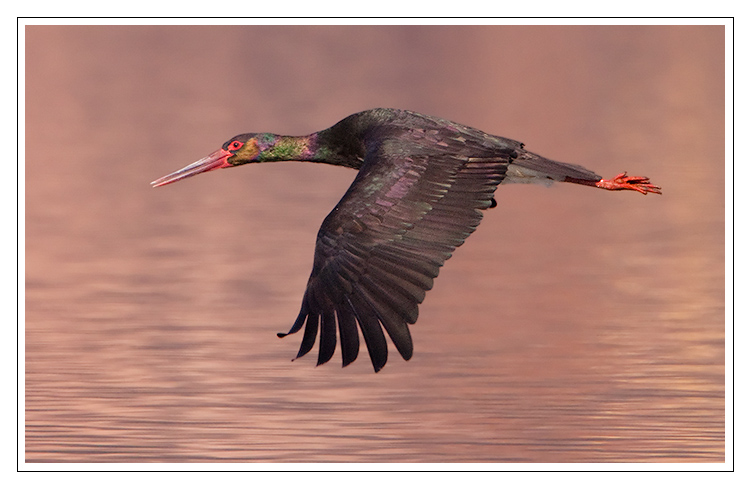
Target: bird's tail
[{"x": 531, "y": 168}]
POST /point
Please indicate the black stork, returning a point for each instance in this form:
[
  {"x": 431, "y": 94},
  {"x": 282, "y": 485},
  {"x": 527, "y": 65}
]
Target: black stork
[{"x": 421, "y": 185}]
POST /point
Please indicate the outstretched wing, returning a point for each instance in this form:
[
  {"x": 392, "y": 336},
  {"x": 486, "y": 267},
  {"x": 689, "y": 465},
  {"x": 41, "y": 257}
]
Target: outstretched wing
[{"x": 379, "y": 250}]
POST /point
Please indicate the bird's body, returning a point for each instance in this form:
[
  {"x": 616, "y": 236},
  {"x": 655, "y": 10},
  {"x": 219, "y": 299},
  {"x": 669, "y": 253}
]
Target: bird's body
[{"x": 422, "y": 183}]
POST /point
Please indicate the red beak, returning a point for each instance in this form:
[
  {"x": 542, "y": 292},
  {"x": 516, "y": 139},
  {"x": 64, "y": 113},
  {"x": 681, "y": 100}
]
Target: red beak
[{"x": 216, "y": 160}]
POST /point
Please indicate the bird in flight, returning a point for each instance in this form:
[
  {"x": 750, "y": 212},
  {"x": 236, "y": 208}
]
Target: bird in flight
[{"x": 421, "y": 185}]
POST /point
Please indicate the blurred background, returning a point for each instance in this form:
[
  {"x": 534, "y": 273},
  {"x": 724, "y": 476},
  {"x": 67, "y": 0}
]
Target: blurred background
[{"x": 575, "y": 325}]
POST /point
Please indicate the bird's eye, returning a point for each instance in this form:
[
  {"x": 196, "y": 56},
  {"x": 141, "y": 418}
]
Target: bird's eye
[{"x": 235, "y": 145}]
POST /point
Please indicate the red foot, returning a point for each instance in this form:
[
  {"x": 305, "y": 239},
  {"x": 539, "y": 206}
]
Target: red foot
[{"x": 623, "y": 182}]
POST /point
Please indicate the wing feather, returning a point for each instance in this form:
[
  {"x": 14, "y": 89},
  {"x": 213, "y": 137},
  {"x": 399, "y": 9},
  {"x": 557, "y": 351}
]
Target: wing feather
[
  {"x": 328, "y": 336},
  {"x": 348, "y": 334},
  {"x": 309, "y": 335},
  {"x": 371, "y": 329}
]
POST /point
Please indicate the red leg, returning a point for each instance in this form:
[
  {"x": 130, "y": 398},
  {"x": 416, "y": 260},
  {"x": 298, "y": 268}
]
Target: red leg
[
  {"x": 624, "y": 182},
  {"x": 621, "y": 182}
]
